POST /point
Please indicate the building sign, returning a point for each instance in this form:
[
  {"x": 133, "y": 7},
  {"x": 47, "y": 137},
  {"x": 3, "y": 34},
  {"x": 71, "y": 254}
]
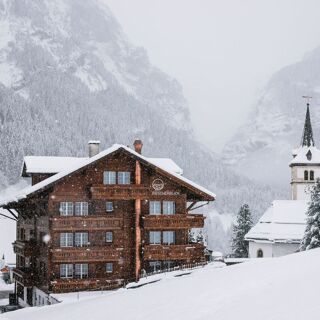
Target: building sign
[{"x": 157, "y": 184}]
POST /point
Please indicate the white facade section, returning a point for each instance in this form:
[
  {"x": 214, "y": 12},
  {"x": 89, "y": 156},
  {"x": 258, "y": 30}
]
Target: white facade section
[{"x": 271, "y": 250}]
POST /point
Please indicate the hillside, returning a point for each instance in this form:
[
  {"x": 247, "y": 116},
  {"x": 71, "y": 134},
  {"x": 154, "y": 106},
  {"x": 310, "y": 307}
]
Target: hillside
[
  {"x": 263, "y": 289},
  {"x": 68, "y": 74},
  {"x": 262, "y": 147}
]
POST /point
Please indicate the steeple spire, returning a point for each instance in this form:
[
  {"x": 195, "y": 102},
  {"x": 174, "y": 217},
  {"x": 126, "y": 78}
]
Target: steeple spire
[{"x": 307, "y": 135}]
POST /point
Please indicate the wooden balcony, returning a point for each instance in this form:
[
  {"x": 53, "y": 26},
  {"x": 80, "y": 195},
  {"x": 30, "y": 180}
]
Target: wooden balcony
[
  {"x": 71, "y": 285},
  {"x": 85, "y": 254},
  {"x": 26, "y": 248},
  {"x": 25, "y": 276},
  {"x": 176, "y": 221},
  {"x": 190, "y": 252},
  {"x": 118, "y": 192},
  {"x": 85, "y": 223}
]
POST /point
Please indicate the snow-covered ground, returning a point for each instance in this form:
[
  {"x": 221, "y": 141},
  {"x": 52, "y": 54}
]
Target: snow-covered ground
[{"x": 278, "y": 289}]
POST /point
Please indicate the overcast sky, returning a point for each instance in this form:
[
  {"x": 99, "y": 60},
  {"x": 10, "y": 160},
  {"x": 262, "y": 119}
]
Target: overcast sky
[{"x": 222, "y": 52}]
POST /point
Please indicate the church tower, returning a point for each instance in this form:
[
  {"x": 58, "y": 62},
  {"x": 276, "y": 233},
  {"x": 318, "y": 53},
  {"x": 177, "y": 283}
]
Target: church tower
[{"x": 305, "y": 165}]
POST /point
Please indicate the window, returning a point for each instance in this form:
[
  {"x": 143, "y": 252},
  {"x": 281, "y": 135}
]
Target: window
[
  {"x": 155, "y": 266},
  {"x": 81, "y": 270},
  {"x": 81, "y": 208},
  {"x": 154, "y": 237},
  {"x": 109, "y": 177},
  {"x": 168, "y": 264},
  {"x": 66, "y": 209},
  {"x": 168, "y": 237},
  {"x": 66, "y": 239},
  {"x": 259, "y": 253},
  {"x": 109, "y": 236},
  {"x": 155, "y": 207},
  {"x": 123, "y": 177},
  {"x": 109, "y": 206},
  {"x": 306, "y": 175},
  {"x": 81, "y": 239},
  {"x": 109, "y": 267},
  {"x": 311, "y": 175},
  {"x": 66, "y": 270},
  {"x": 169, "y": 207}
]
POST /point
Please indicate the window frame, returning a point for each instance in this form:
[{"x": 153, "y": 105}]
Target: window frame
[
  {"x": 165, "y": 207},
  {"x": 81, "y": 270},
  {"x": 311, "y": 175},
  {"x": 68, "y": 268},
  {"x": 153, "y": 207},
  {"x": 83, "y": 206},
  {"x": 109, "y": 177},
  {"x": 66, "y": 208},
  {"x": 106, "y": 237},
  {"x": 170, "y": 240},
  {"x": 112, "y": 267},
  {"x": 65, "y": 238},
  {"x": 306, "y": 175},
  {"x": 124, "y": 177},
  {"x": 152, "y": 238},
  {"x": 108, "y": 202},
  {"x": 83, "y": 236}
]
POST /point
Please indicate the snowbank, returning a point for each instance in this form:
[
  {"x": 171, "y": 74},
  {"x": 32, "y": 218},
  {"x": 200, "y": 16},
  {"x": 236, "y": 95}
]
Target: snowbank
[{"x": 277, "y": 289}]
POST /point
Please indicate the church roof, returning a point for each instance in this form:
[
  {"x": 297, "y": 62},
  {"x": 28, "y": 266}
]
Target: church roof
[
  {"x": 283, "y": 222},
  {"x": 306, "y": 156}
]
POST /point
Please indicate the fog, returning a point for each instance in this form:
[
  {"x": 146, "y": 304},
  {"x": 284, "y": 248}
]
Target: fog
[{"x": 222, "y": 52}]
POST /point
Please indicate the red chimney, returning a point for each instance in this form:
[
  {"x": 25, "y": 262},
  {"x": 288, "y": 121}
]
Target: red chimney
[{"x": 137, "y": 146}]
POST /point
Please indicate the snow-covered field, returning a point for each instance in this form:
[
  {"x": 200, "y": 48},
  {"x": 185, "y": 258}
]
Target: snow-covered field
[{"x": 265, "y": 289}]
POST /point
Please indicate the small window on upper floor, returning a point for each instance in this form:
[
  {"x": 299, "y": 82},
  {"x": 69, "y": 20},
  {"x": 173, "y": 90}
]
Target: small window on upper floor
[
  {"x": 109, "y": 177},
  {"x": 124, "y": 177},
  {"x": 109, "y": 236},
  {"x": 109, "y": 206},
  {"x": 311, "y": 175},
  {"x": 306, "y": 175}
]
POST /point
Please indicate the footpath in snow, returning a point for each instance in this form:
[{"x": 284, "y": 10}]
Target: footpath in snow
[{"x": 278, "y": 289}]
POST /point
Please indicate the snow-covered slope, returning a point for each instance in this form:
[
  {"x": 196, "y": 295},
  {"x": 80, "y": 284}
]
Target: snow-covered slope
[
  {"x": 277, "y": 289},
  {"x": 261, "y": 148}
]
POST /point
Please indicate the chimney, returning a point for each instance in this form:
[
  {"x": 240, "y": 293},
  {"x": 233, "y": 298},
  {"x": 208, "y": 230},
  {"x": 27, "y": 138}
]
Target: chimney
[
  {"x": 94, "y": 148},
  {"x": 137, "y": 146}
]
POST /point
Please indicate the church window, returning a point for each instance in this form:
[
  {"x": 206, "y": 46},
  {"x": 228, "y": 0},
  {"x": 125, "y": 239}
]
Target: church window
[
  {"x": 259, "y": 253},
  {"x": 311, "y": 175},
  {"x": 306, "y": 175},
  {"x": 309, "y": 155}
]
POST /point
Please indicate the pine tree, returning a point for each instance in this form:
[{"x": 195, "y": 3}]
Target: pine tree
[
  {"x": 191, "y": 236},
  {"x": 200, "y": 238},
  {"x": 240, "y": 229},
  {"x": 311, "y": 237}
]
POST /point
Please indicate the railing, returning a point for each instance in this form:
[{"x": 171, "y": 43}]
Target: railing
[
  {"x": 130, "y": 191},
  {"x": 26, "y": 248},
  {"x": 71, "y": 285},
  {"x": 85, "y": 254},
  {"x": 176, "y": 221},
  {"x": 85, "y": 223},
  {"x": 191, "y": 252},
  {"x": 24, "y": 275}
]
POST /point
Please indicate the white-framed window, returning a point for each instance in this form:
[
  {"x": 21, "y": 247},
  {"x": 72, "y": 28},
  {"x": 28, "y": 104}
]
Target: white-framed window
[
  {"x": 124, "y": 177},
  {"x": 155, "y": 207},
  {"x": 169, "y": 237},
  {"x": 66, "y": 239},
  {"x": 155, "y": 266},
  {"x": 109, "y": 267},
  {"x": 109, "y": 236},
  {"x": 109, "y": 177},
  {"x": 168, "y": 207},
  {"x": 109, "y": 206},
  {"x": 81, "y": 239},
  {"x": 81, "y": 208},
  {"x": 66, "y": 209},
  {"x": 81, "y": 270},
  {"x": 155, "y": 237},
  {"x": 66, "y": 270}
]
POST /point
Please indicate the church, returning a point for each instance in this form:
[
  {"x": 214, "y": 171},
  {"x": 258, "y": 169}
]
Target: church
[{"x": 281, "y": 228}]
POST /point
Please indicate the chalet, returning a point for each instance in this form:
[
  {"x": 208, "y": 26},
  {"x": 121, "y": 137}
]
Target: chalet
[{"x": 96, "y": 223}]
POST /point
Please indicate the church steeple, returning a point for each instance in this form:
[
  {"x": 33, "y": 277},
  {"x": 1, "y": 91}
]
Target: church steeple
[{"x": 307, "y": 135}]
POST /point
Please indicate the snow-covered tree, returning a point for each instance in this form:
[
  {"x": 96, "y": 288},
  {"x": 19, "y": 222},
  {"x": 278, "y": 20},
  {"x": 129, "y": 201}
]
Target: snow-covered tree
[
  {"x": 191, "y": 236},
  {"x": 200, "y": 237},
  {"x": 311, "y": 237},
  {"x": 241, "y": 227}
]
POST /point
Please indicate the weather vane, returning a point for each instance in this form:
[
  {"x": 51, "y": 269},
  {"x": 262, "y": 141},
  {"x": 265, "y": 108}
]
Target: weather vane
[{"x": 307, "y": 98}]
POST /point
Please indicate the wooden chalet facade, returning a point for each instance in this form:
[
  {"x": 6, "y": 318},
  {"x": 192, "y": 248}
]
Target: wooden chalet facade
[{"x": 101, "y": 222}]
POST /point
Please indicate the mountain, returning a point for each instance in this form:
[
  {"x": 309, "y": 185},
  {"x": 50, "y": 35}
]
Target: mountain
[
  {"x": 68, "y": 74},
  {"x": 262, "y": 148}
]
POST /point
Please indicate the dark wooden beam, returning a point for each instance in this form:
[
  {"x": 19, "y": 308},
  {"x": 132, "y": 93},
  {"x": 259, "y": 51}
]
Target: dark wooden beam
[{"x": 3, "y": 215}]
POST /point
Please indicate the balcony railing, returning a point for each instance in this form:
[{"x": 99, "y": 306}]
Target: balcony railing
[
  {"x": 85, "y": 254},
  {"x": 85, "y": 223},
  {"x": 69, "y": 285},
  {"x": 26, "y": 248},
  {"x": 189, "y": 252},
  {"x": 130, "y": 191},
  {"x": 25, "y": 276},
  {"x": 176, "y": 221}
]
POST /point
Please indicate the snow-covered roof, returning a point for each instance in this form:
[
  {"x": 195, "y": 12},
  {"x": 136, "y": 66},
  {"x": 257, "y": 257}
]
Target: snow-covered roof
[
  {"x": 43, "y": 184},
  {"x": 167, "y": 163},
  {"x": 301, "y": 155},
  {"x": 35, "y": 164},
  {"x": 284, "y": 221}
]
